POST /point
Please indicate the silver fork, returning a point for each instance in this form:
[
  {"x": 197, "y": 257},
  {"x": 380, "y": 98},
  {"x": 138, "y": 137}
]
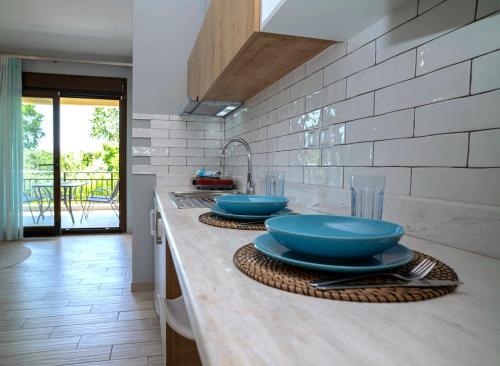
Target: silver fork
[{"x": 417, "y": 273}]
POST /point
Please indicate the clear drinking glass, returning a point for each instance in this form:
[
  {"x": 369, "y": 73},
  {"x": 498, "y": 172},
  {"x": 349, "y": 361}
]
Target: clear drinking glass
[
  {"x": 275, "y": 183},
  {"x": 367, "y": 196}
]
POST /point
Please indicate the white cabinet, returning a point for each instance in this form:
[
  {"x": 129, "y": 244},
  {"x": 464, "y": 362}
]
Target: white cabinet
[
  {"x": 324, "y": 19},
  {"x": 177, "y": 337}
]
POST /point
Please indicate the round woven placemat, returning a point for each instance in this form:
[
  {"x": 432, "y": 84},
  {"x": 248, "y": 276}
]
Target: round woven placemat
[
  {"x": 294, "y": 279},
  {"x": 210, "y": 218}
]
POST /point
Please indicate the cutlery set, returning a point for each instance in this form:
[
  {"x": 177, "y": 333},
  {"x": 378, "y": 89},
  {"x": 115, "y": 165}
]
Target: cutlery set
[{"x": 414, "y": 278}]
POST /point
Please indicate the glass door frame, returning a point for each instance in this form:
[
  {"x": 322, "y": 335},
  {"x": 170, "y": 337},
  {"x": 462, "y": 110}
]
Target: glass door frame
[
  {"x": 56, "y": 86},
  {"x": 55, "y": 229}
]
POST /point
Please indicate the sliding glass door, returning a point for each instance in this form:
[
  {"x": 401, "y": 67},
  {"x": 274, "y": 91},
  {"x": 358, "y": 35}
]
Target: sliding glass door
[
  {"x": 40, "y": 163},
  {"x": 90, "y": 169}
]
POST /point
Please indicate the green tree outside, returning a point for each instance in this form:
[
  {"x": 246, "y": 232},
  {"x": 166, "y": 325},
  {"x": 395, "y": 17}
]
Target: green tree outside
[
  {"x": 32, "y": 126},
  {"x": 104, "y": 126}
]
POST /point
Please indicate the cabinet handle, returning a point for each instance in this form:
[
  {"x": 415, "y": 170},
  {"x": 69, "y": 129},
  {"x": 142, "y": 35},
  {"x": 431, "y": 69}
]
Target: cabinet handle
[
  {"x": 159, "y": 228},
  {"x": 152, "y": 222}
]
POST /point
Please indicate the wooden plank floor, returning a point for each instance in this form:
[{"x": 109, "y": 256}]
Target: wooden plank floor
[{"x": 70, "y": 303}]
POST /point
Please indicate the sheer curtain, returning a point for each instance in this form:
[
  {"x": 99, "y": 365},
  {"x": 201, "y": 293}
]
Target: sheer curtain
[{"x": 11, "y": 150}]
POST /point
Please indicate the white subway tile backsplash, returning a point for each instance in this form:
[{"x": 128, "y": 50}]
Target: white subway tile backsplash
[
  {"x": 214, "y": 127},
  {"x": 486, "y": 71},
  {"x": 387, "y": 126},
  {"x": 195, "y": 126},
  {"x": 397, "y": 180},
  {"x": 294, "y": 76},
  {"x": 145, "y": 169},
  {"x": 278, "y": 100},
  {"x": 292, "y": 109},
  {"x": 148, "y": 116},
  {"x": 331, "y": 54},
  {"x": 432, "y": 24},
  {"x": 212, "y": 153},
  {"x": 305, "y": 157},
  {"x": 350, "y": 64},
  {"x": 330, "y": 176},
  {"x": 270, "y": 145},
  {"x": 168, "y": 160},
  {"x": 424, "y": 5},
  {"x": 447, "y": 83},
  {"x": 281, "y": 158},
  {"x": 311, "y": 139},
  {"x": 269, "y": 118},
  {"x": 181, "y": 151},
  {"x": 467, "y": 42},
  {"x": 486, "y": 7},
  {"x": 292, "y": 174},
  {"x": 209, "y": 144},
  {"x": 308, "y": 85},
  {"x": 214, "y": 135},
  {"x": 203, "y": 161},
  {"x": 348, "y": 155},
  {"x": 478, "y": 186},
  {"x": 384, "y": 25},
  {"x": 168, "y": 142},
  {"x": 212, "y": 119},
  {"x": 142, "y": 151},
  {"x": 290, "y": 142},
  {"x": 306, "y": 121},
  {"x": 146, "y": 132},
  {"x": 170, "y": 125},
  {"x": 328, "y": 95},
  {"x": 463, "y": 114},
  {"x": 350, "y": 109},
  {"x": 149, "y": 151},
  {"x": 180, "y": 134},
  {"x": 279, "y": 129},
  {"x": 438, "y": 150},
  {"x": 389, "y": 72},
  {"x": 484, "y": 150},
  {"x": 452, "y": 156},
  {"x": 188, "y": 170},
  {"x": 332, "y": 135}
]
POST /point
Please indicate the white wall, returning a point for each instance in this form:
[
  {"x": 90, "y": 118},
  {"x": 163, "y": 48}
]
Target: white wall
[
  {"x": 164, "y": 35},
  {"x": 96, "y": 70},
  {"x": 415, "y": 97}
]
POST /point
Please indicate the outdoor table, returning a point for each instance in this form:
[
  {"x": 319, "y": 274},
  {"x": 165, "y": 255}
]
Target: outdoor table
[{"x": 66, "y": 193}]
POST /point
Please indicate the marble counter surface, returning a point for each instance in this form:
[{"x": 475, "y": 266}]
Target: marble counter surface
[{"x": 238, "y": 321}]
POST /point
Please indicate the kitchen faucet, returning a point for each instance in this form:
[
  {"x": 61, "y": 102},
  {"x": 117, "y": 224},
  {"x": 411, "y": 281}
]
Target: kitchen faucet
[{"x": 250, "y": 183}]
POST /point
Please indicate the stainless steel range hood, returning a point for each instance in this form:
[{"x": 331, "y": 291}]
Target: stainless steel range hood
[{"x": 216, "y": 108}]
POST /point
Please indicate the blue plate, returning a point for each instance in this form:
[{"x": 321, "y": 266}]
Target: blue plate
[
  {"x": 396, "y": 256},
  {"x": 328, "y": 236},
  {"x": 251, "y": 205},
  {"x": 228, "y": 215}
]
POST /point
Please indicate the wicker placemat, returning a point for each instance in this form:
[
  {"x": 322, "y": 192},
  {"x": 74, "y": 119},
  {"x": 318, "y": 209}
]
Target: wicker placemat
[
  {"x": 210, "y": 218},
  {"x": 294, "y": 279}
]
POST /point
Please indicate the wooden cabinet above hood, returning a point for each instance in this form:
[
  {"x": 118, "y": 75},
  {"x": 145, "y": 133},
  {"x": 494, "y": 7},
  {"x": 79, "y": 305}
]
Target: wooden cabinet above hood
[{"x": 232, "y": 60}]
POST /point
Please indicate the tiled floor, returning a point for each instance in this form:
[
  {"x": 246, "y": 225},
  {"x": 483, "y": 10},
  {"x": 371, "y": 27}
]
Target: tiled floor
[{"x": 70, "y": 303}]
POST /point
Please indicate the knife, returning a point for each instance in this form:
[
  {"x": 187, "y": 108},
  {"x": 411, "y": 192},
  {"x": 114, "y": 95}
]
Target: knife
[{"x": 413, "y": 283}]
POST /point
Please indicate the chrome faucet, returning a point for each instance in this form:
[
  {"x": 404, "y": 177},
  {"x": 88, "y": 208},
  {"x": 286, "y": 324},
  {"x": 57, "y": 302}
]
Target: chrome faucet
[{"x": 250, "y": 183}]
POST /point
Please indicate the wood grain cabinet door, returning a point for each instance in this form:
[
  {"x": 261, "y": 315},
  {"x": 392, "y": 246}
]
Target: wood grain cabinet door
[{"x": 227, "y": 27}]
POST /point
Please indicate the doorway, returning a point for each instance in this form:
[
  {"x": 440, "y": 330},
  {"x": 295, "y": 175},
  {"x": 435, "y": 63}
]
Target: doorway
[{"x": 74, "y": 154}]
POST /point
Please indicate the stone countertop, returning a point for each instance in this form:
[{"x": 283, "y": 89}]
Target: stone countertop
[{"x": 238, "y": 321}]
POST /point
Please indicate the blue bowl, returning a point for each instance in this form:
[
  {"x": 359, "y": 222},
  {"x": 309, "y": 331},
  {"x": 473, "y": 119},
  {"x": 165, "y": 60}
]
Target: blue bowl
[
  {"x": 328, "y": 236},
  {"x": 251, "y": 205}
]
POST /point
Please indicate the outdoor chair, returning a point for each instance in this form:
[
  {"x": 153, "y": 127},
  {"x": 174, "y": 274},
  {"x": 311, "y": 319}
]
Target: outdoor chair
[
  {"x": 34, "y": 196},
  {"x": 102, "y": 195}
]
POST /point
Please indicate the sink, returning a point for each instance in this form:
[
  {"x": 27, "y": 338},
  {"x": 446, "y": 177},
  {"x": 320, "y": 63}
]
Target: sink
[{"x": 201, "y": 199}]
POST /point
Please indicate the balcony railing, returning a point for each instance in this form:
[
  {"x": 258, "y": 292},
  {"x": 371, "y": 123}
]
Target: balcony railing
[{"x": 105, "y": 181}]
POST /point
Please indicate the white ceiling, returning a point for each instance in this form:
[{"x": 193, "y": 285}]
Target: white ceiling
[{"x": 82, "y": 29}]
